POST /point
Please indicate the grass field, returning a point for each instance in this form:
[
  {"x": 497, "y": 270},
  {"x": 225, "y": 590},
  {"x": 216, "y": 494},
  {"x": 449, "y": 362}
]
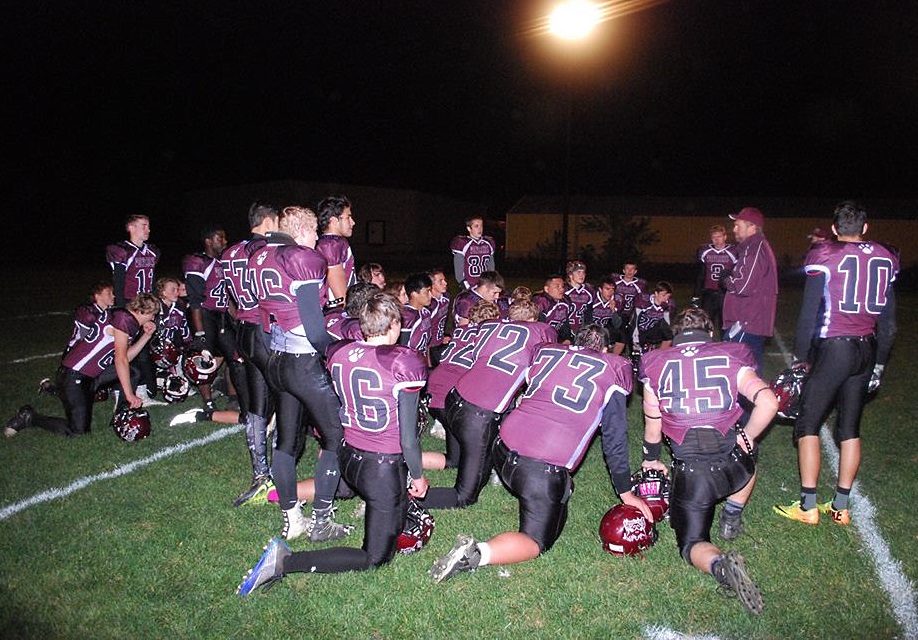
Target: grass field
[{"x": 157, "y": 552}]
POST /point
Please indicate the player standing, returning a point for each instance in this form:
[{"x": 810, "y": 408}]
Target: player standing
[
  {"x": 691, "y": 395},
  {"x": 571, "y": 391},
  {"x": 849, "y": 299},
  {"x": 473, "y": 254},
  {"x": 336, "y": 223},
  {"x": 379, "y": 382},
  {"x": 716, "y": 258}
]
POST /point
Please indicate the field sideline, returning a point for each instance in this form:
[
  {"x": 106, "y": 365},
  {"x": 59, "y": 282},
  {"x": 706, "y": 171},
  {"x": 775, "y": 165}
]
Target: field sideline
[{"x": 151, "y": 546}]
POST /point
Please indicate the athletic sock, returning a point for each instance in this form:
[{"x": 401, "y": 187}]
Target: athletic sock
[
  {"x": 807, "y": 498},
  {"x": 733, "y": 509},
  {"x": 840, "y": 501},
  {"x": 485, "y": 552}
]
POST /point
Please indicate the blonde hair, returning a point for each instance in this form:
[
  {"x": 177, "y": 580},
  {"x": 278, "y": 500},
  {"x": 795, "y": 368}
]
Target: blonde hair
[{"x": 294, "y": 220}]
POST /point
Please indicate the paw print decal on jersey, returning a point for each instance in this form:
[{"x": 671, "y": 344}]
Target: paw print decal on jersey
[
  {"x": 865, "y": 248},
  {"x": 355, "y": 354},
  {"x": 690, "y": 351}
]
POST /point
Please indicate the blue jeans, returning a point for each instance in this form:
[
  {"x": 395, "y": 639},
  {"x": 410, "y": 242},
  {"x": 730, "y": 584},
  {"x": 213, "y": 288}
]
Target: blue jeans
[{"x": 756, "y": 343}]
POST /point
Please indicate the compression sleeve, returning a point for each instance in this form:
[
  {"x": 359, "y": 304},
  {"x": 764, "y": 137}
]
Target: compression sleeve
[
  {"x": 118, "y": 275},
  {"x": 408, "y": 430},
  {"x": 307, "y": 300},
  {"x": 459, "y": 269},
  {"x": 615, "y": 442},
  {"x": 809, "y": 315},
  {"x": 886, "y": 327}
]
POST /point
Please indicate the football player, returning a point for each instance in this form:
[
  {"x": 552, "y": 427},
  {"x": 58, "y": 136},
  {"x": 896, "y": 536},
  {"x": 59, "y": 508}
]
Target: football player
[
  {"x": 628, "y": 288},
  {"x": 379, "y": 382},
  {"x": 208, "y": 308},
  {"x": 580, "y": 293},
  {"x": 416, "y": 322},
  {"x": 650, "y": 324},
  {"x": 716, "y": 258},
  {"x": 849, "y": 299},
  {"x": 439, "y": 313},
  {"x": 336, "y": 223},
  {"x": 571, "y": 391},
  {"x": 372, "y": 272},
  {"x": 489, "y": 287},
  {"x": 289, "y": 274},
  {"x": 555, "y": 308},
  {"x": 99, "y": 359},
  {"x": 133, "y": 262},
  {"x": 481, "y": 396},
  {"x": 604, "y": 313},
  {"x": 253, "y": 345},
  {"x": 691, "y": 396},
  {"x": 345, "y": 324},
  {"x": 473, "y": 254}
]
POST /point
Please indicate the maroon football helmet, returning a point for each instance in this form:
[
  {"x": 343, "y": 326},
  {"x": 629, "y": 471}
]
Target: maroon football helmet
[
  {"x": 201, "y": 368},
  {"x": 788, "y": 387},
  {"x": 653, "y": 487},
  {"x": 419, "y": 526},
  {"x": 164, "y": 352},
  {"x": 175, "y": 388},
  {"x": 624, "y": 531},
  {"x": 132, "y": 424}
]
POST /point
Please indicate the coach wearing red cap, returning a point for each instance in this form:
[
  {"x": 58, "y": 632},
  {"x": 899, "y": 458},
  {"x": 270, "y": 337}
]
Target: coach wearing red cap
[{"x": 752, "y": 287}]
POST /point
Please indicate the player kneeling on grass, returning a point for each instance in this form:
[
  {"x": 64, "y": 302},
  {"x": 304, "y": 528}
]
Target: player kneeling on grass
[
  {"x": 571, "y": 391},
  {"x": 691, "y": 395},
  {"x": 379, "y": 383}
]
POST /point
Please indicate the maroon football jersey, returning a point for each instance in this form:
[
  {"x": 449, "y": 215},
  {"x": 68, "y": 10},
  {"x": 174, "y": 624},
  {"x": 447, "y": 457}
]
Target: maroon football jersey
[
  {"x": 138, "y": 264},
  {"x": 477, "y": 254},
  {"x": 627, "y": 293},
  {"x": 554, "y": 312},
  {"x": 603, "y": 310},
  {"x": 581, "y": 299},
  {"x": 209, "y": 271},
  {"x": 172, "y": 324},
  {"x": 96, "y": 351},
  {"x": 562, "y": 407},
  {"x": 455, "y": 360},
  {"x": 715, "y": 262},
  {"x": 418, "y": 327},
  {"x": 858, "y": 275},
  {"x": 278, "y": 269},
  {"x": 463, "y": 304},
  {"x": 439, "y": 313},
  {"x": 235, "y": 263},
  {"x": 501, "y": 357},
  {"x": 337, "y": 252},
  {"x": 697, "y": 384},
  {"x": 85, "y": 318},
  {"x": 368, "y": 380}
]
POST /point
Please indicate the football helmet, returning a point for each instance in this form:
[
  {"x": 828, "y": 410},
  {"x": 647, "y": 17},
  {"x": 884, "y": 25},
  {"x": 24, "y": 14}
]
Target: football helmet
[
  {"x": 164, "y": 352},
  {"x": 653, "y": 487},
  {"x": 132, "y": 424},
  {"x": 201, "y": 368},
  {"x": 175, "y": 388},
  {"x": 419, "y": 526},
  {"x": 788, "y": 387},
  {"x": 624, "y": 531}
]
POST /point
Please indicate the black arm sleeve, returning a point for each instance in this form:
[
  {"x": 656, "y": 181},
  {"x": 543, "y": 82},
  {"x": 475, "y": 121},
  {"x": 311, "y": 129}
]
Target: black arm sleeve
[
  {"x": 307, "y": 300},
  {"x": 809, "y": 316},
  {"x": 195, "y": 287},
  {"x": 615, "y": 442},
  {"x": 404, "y": 337},
  {"x": 118, "y": 274},
  {"x": 886, "y": 328},
  {"x": 459, "y": 269},
  {"x": 408, "y": 430},
  {"x": 699, "y": 281}
]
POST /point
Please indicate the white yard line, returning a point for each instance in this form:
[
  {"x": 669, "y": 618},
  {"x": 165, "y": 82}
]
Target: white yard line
[
  {"x": 664, "y": 633},
  {"x": 56, "y": 354},
  {"x": 130, "y": 467},
  {"x": 899, "y": 589},
  {"x": 36, "y": 315}
]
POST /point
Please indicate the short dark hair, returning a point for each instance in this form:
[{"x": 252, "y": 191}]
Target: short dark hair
[
  {"x": 331, "y": 207},
  {"x": 592, "y": 336},
  {"x": 850, "y": 218},
  {"x": 210, "y": 230},
  {"x": 365, "y": 273},
  {"x": 356, "y": 296},
  {"x": 415, "y": 282},
  {"x": 260, "y": 210},
  {"x": 134, "y": 217},
  {"x": 99, "y": 286},
  {"x": 475, "y": 216},
  {"x": 691, "y": 318},
  {"x": 492, "y": 278},
  {"x": 663, "y": 285}
]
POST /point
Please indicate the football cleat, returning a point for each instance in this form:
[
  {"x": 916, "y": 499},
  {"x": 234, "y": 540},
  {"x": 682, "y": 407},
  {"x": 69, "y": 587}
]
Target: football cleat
[
  {"x": 323, "y": 528},
  {"x": 730, "y": 573},
  {"x": 132, "y": 424},
  {"x": 624, "y": 531},
  {"x": 22, "y": 420},
  {"x": 257, "y": 493},
  {"x": 794, "y": 512},
  {"x": 839, "y": 516},
  {"x": 295, "y": 523},
  {"x": 268, "y": 571},
  {"x": 730, "y": 527},
  {"x": 464, "y": 556},
  {"x": 47, "y": 387},
  {"x": 148, "y": 401},
  {"x": 437, "y": 430},
  {"x": 360, "y": 511},
  {"x": 419, "y": 526}
]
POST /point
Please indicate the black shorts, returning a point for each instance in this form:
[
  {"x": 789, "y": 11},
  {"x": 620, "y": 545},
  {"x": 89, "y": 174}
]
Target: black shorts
[{"x": 543, "y": 491}]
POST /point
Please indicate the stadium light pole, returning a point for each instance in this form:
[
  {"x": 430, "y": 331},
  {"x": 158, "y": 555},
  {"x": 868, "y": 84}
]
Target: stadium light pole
[{"x": 571, "y": 21}]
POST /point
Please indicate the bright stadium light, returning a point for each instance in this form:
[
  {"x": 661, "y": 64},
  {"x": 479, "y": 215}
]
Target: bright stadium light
[{"x": 573, "y": 20}]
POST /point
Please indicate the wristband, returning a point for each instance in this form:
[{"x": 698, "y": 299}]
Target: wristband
[
  {"x": 200, "y": 334},
  {"x": 652, "y": 450}
]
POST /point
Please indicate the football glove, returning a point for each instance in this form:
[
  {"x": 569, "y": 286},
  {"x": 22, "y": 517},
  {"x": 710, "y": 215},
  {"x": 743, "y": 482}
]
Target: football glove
[{"x": 875, "y": 378}]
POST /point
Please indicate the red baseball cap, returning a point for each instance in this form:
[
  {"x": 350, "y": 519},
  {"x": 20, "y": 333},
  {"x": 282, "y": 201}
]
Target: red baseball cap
[{"x": 749, "y": 214}]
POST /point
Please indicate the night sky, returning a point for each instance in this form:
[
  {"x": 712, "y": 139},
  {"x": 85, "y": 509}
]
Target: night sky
[{"x": 118, "y": 106}]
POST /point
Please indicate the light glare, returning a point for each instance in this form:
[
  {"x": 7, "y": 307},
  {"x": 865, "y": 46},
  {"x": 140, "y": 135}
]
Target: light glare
[{"x": 574, "y": 20}]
